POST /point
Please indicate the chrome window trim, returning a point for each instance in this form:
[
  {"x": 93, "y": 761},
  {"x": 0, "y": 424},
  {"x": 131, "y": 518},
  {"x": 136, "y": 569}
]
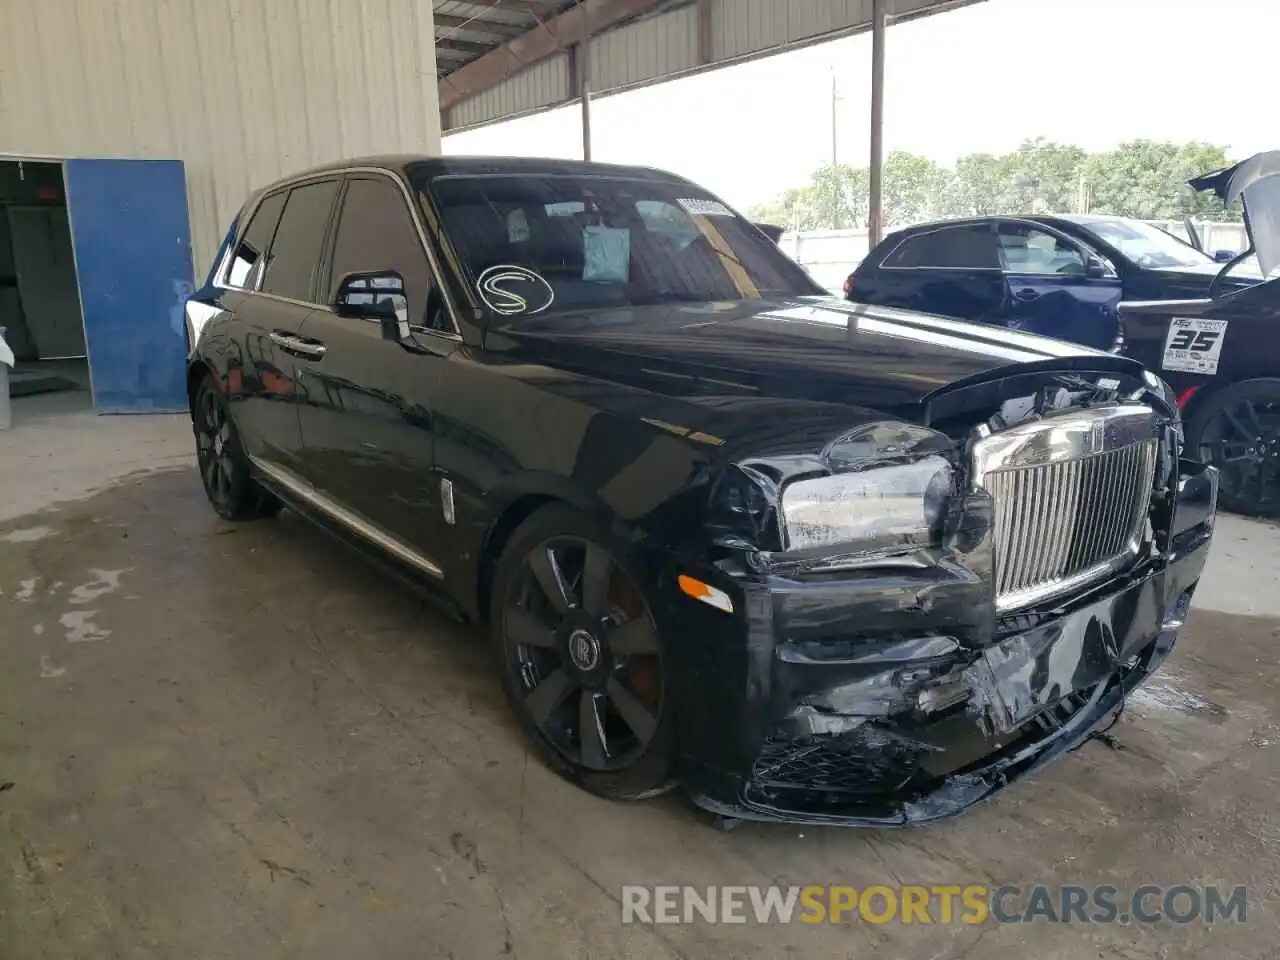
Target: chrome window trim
[
  {"x": 338, "y": 174},
  {"x": 369, "y": 531}
]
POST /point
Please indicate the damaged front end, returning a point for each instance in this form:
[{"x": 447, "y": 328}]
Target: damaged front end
[{"x": 1027, "y": 571}]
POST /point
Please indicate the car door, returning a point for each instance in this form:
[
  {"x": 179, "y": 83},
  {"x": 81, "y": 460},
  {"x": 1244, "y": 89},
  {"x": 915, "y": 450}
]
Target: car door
[
  {"x": 366, "y": 421},
  {"x": 1057, "y": 287},
  {"x": 274, "y": 269},
  {"x": 951, "y": 270}
]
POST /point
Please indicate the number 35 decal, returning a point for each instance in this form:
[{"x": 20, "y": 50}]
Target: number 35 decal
[{"x": 1194, "y": 344}]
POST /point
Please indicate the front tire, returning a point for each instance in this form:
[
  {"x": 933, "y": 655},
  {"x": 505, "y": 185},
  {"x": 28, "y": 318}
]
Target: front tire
[
  {"x": 224, "y": 466},
  {"x": 1238, "y": 431},
  {"x": 582, "y": 658}
]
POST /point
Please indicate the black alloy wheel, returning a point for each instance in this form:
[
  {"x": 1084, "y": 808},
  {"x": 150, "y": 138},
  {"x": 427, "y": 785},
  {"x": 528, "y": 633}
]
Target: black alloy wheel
[
  {"x": 224, "y": 468},
  {"x": 1238, "y": 431},
  {"x": 582, "y": 658}
]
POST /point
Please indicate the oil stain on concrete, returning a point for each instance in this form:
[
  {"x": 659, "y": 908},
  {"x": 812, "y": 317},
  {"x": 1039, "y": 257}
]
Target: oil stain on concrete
[{"x": 239, "y": 741}]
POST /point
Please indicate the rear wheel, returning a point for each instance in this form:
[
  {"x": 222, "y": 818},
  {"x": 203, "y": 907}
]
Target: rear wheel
[
  {"x": 582, "y": 660},
  {"x": 224, "y": 467},
  {"x": 1238, "y": 431}
]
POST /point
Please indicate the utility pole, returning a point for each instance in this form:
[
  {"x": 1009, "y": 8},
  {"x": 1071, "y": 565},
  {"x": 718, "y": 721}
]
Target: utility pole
[
  {"x": 835, "y": 99},
  {"x": 875, "y": 206}
]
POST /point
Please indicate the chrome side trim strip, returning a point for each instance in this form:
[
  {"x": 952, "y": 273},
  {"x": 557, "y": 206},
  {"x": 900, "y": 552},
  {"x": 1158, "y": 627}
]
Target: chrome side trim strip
[{"x": 363, "y": 528}]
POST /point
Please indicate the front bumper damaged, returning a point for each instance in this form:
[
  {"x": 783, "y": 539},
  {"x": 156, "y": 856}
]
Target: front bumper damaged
[{"x": 908, "y": 722}]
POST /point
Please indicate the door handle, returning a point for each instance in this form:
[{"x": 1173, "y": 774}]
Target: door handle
[
  {"x": 1026, "y": 294},
  {"x": 311, "y": 349}
]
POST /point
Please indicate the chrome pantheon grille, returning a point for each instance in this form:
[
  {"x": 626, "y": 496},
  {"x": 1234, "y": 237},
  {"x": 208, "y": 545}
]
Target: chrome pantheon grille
[{"x": 1071, "y": 493}]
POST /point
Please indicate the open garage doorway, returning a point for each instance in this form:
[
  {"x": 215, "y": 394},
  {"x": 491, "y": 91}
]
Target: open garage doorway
[
  {"x": 95, "y": 269},
  {"x": 40, "y": 308}
]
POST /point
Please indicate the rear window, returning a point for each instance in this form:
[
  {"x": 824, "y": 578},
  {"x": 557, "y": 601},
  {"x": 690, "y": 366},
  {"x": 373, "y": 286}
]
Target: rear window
[
  {"x": 551, "y": 244},
  {"x": 247, "y": 262},
  {"x": 294, "y": 259},
  {"x": 970, "y": 247}
]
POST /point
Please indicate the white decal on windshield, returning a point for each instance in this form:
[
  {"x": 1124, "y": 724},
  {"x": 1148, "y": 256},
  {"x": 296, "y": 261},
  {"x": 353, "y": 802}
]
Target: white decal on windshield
[
  {"x": 705, "y": 208},
  {"x": 510, "y": 290},
  {"x": 1194, "y": 344}
]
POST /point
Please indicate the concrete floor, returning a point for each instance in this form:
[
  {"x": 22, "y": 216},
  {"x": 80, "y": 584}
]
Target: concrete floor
[{"x": 241, "y": 742}]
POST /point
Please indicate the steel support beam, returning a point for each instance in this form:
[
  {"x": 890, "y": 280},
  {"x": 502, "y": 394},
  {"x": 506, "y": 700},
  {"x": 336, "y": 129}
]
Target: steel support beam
[
  {"x": 493, "y": 28},
  {"x": 875, "y": 206},
  {"x": 706, "y": 55},
  {"x": 552, "y": 36}
]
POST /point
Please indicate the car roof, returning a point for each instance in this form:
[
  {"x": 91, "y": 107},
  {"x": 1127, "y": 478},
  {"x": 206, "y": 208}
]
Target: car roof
[{"x": 425, "y": 166}]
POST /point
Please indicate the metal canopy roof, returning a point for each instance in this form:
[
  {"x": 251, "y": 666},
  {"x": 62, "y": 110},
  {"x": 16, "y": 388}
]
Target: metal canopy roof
[{"x": 497, "y": 59}]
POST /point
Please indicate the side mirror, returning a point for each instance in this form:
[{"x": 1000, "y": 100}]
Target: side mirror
[
  {"x": 370, "y": 294},
  {"x": 772, "y": 231},
  {"x": 375, "y": 295},
  {"x": 1224, "y": 256},
  {"x": 1095, "y": 268}
]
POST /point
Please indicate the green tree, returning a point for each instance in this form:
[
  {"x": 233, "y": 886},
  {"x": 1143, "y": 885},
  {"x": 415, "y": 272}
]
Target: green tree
[
  {"x": 1148, "y": 180},
  {"x": 1045, "y": 176},
  {"x": 914, "y": 189},
  {"x": 980, "y": 187},
  {"x": 1138, "y": 179},
  {"x": 839, "y": 195}
]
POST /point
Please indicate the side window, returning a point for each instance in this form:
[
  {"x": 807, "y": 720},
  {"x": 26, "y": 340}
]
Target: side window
[
  {"x": 1029, "y": 250},
  {"x": 246, "y": 264},
  {"x": 295, "y": 253},
  {"x": 969, "y": 247},
  {"x": 376, "y": 232}
]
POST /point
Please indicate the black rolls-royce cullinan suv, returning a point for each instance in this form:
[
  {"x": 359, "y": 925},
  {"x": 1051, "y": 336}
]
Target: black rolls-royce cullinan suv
[{"x": 811, "y": 560}]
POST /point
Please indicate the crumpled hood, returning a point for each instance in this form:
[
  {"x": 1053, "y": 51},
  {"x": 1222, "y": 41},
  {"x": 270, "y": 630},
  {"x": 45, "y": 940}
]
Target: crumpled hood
[{"x": 781, "y": 358}]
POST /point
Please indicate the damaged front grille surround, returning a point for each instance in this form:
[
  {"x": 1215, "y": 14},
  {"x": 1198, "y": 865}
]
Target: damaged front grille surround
[{"x": 1071, "y": 492}]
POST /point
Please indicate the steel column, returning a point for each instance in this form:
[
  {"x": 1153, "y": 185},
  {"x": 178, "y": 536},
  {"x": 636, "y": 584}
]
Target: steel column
[{"x": 875, "y": 210}]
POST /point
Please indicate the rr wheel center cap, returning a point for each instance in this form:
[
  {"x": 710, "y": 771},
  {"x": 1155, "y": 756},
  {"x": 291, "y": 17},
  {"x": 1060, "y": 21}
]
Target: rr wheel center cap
[{"x": 584, "y": 650}]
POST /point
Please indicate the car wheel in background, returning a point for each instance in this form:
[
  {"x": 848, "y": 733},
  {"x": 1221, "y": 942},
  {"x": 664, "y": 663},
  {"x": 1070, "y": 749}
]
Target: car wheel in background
[
  {"x": 581, "y": 655},
  {"x": 1237, "y": 430},
  {"x": 224, "y": 467}
]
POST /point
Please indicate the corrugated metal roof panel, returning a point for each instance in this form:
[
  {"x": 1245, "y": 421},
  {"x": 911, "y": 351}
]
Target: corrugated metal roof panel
[
  {"x": 655, "y": 46},
  {"x": 664, "y": 45},
  {"x": 544, "y": 84}
]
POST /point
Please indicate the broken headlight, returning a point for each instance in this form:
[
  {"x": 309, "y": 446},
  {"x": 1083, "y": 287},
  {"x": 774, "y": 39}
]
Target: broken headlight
[
  {"x": 879, "y": 508},
  {"x": 887, "y": 488}
]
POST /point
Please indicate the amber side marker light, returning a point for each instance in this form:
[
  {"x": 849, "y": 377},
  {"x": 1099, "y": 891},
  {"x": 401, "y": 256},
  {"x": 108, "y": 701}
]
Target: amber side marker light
[{"x": 705, "y": 592}]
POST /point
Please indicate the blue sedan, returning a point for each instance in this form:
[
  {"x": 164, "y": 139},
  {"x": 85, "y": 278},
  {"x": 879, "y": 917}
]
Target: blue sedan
[{"x": 1061, "y": 276}]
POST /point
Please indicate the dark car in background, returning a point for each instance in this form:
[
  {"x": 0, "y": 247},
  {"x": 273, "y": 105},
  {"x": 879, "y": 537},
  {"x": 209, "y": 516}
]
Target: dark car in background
[
  {"x": 1060, "y": 276},
  {"x": 1219, "y": 348},
  {"x": 812, "y": 561}
]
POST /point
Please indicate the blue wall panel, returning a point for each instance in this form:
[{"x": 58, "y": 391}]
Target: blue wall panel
[{"x": 133, "y": 258}]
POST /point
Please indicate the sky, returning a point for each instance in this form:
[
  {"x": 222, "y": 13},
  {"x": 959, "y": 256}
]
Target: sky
[{"x": 982, "y": 78}]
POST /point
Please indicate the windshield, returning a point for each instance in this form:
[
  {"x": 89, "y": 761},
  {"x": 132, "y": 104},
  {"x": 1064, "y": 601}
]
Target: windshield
[
  {"x": 540, "y": 244},
  {"x": 1145, "y": 245}
]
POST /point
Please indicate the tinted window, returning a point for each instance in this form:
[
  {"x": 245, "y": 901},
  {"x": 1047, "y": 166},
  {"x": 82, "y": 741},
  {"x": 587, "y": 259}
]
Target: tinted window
[
  {"x": 955, "y": 248},
  {"x": 246, "y": 265},
  {"x": 376, "y": 232},
  {"x": 535, "y": 244},
  {"x": 1030, "y": 250},
  {"x": 295, "y": 252}
]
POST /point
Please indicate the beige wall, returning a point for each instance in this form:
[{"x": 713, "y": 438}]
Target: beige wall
[{"x": 243, "y": 91}]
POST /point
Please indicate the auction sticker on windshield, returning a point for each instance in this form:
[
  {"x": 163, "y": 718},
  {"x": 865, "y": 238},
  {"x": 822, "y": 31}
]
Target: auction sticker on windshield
[
  {"x": 1194, "y": 344},
  {"x": 705, "y": 208}
]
